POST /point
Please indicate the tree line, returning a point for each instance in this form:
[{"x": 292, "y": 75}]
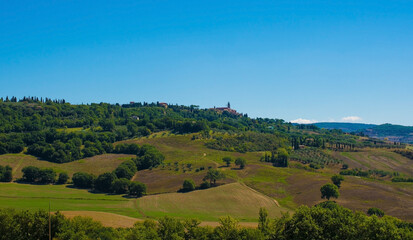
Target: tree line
[{"x": 327, "y": 220}]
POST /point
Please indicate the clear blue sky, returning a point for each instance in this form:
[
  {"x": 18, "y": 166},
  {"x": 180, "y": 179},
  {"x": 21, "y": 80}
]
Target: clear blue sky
[{"x": 314, "y": 60}]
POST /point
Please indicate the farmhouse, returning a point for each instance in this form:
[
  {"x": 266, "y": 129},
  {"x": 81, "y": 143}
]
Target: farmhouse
[
  {"x": 162, "y": 104},
  {"x": 225, "y": 109}
]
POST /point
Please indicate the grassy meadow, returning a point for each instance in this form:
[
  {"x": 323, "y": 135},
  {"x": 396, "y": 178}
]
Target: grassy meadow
[
  {"x": 243, "y": 192},
  {"x": 63, "y": 198},
  {"x": 96, "y": 164},
  {"x": 232, "y": 199}
]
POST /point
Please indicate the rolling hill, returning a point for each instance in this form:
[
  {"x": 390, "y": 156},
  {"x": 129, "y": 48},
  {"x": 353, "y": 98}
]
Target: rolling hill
[{"x": 390, "y": 132}]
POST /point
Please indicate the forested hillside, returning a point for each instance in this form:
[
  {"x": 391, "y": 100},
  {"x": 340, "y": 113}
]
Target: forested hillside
[{"x": 58, "y": 131}]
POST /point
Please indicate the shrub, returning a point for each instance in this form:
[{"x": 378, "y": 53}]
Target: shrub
[
  {"x": 205, "y": 185},
  {"x": 30, "y": 174},
  {"x": 188, "y": 185},
  {"x": 33, "y": 174},
  {"x": 83, "y": 180},
  {"x": 241, "y": 162},
  {"x": 103, "y": 182},
  {"x": 375, "y": 211},
  {"x": 121, "y": 186},
  {"x": 63, "y": 177},
  {"x": 137, "y": 189},
  {"x": 337, "y": 179},
  {"x": 6, "y": 174}
]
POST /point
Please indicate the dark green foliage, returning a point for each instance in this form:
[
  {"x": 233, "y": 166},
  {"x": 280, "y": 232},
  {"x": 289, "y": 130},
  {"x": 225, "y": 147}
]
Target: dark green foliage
[
  {"x": 205, "y": 185},
  {"x": 188, "y": 185},
  {"x": 137, "y": 189},
  {"x": 328, "y": 204},
  {"x": 83, "y": 180},
  {"x": 375, "y": 211},
  {"x": 6, "y": 174},
  {"x": 337, "y": 179},
  {"x": 103, "y": 182},
  {"x": 368, "y": 173},
  {"x": 241, "y": 162},
  {"x": 126, "y": 148},
  {"x": 121, "y": 186},
  {"x": 148, "y": 157},
  {"x": 401, "y": 179},
  {"x": 33, "y": 174},
  {"x": 46, "y": 175},
  {"x": 63, "y": 178},
  {"x": 126, "y": 169},
  {"x": 30, "y": 173},
  {"x": 329, "y": 190},
  {"x": 214, "y": 175},
  {"x": 248, "y": 142},
  {"x": 227, "y": 160},
  {"x": 324, "y": 221}
]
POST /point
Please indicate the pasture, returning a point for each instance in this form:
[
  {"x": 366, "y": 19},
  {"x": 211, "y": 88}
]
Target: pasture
[
  {"x": 95, "y": 165},
  {"x": 232, "y": 199},
  {"x": 63, "y": 198},
  {"x": 380, "y": 159}
]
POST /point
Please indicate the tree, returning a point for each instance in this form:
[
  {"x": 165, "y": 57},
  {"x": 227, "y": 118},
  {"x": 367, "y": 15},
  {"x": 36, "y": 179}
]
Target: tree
[
  {"x": 264, "y": 221},
  {"x": 241, "y": 162},
  {"x": 375, "y": 211},
  {"x": 63, "y": 177},
  {"x": 227, "y": 160},
  {"x": 124, "y": 172},
  {"x": 281, "y": 160},
  {"x": 188, "y": 185},
  {"x": 228, "y": 228},
  {"x": 329, "y": 190},
  {"x": 30, "y": 173},
  {"x": 213, "y": 175},
  {"x": 336, "y": 179},
  {"x": 47, "y": 175},
  {"x": 137, "y": 189},
  {"x": 171, "y": 228},
  {"x": 104, "y": 182},
  {"x": 121, "y": 186},
  {"x": 6, "y": 174},
  {"x": 205, "y": 185},
  {"x": 83, "y": 180}
]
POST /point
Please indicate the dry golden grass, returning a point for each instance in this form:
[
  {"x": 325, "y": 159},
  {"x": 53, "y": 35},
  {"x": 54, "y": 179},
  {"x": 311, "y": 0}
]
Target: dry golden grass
[
  {"x": 107, "y": 219},
  {"x": 120, "y": 221},
  {"x": 234, "y": 199}
]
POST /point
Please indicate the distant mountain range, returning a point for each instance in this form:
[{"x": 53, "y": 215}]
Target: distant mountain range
[{"x": 394, "y": 133}]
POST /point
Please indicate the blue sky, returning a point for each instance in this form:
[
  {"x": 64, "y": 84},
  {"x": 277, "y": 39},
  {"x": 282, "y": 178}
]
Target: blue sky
[{"x": 309, "y": 60}]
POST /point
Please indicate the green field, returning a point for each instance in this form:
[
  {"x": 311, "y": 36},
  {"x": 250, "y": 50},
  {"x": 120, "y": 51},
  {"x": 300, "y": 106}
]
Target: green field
[
  {"x": 96, "y": 165},
  {"x": 63, "y": 198},
  {"x": 291, "y": 187}
]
